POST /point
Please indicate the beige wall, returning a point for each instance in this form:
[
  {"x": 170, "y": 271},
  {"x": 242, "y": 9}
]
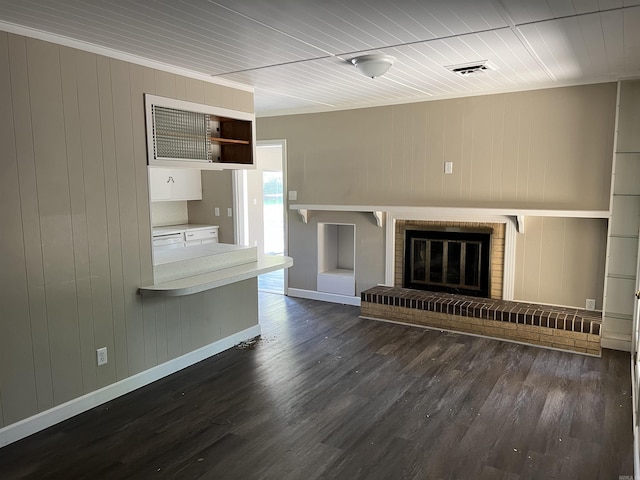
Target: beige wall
[
  {"x": 76, "y": 240},
  {"x": 537, "y": 149},
  {"x": 217, "y": 191}
]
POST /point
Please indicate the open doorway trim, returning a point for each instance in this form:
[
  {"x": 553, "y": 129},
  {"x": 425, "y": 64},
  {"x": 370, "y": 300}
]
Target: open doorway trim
[{"x": 240, "y": 198}]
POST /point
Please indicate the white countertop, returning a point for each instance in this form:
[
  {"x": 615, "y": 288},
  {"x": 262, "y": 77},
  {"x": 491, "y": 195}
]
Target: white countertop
[
  {"x": 168, "y": 229},
  {"x": 170, "y": 255},
  {"x": 217, "y": 278}
]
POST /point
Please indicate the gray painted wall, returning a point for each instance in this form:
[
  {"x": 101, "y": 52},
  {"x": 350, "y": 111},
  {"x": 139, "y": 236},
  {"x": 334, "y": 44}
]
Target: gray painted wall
[
  {"x": 76, "y": 240},
  {"x": 537, "y": 149}
]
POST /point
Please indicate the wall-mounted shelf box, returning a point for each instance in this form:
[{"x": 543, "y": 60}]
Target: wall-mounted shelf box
[{"x": 187, "y": 134}]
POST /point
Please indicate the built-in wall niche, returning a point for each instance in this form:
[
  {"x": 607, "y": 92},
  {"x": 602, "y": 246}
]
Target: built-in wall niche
[{"x": 336, "y": 258}]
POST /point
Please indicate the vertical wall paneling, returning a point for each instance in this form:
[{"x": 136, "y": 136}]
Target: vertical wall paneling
[
  {"x": 185, "y": 324},
  {"x": 112, "y": 335},
  {"x": 76, "y": 238},
  {"x": 79, "y": 228},
  {"x": 212, "y": 313},
  {"x": 162, "y": 341},
  {"x": 537, "y": 147},
  {"x": 508, "y": 186},
  {"x": 141, "y": 82},
  {"x": 213, "y": 94},
  {"x": 552, "y": 277},
  {"x": 482, "y": 147},
  {"x": 417, "y": 127},
  {"x": 542, "y": 149},
  {"x": 497, "y": 149},
  {"x": 194, "y": 91},
  {"x": 96, "y": 213},
  {"x": 197, "y": 320},
  {"x": 52, "y": 180},
  {"x": 435, "y": 151},
  {"x": 165, "y": 84},
  {"x": 173, "y": 328},
  {"x": 17, "y": 382},
  {"x": 453, "y": 149},
  {"x": 146, "y": 340},
  {"x": 127, "y": 189},
  {"x": 30, "y": 220}
]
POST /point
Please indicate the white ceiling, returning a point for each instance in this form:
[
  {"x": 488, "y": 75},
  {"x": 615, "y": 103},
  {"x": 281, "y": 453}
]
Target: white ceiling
[{"x": 296, "y": 53}]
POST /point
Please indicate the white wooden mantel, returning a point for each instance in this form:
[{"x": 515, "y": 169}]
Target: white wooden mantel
[{"x": 518, "y": 215}]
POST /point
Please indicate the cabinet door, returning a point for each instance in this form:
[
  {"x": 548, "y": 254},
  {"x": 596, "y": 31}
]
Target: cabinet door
[
  {"x": 160, "y": 184},
  {"x": 187, "y": 184}
]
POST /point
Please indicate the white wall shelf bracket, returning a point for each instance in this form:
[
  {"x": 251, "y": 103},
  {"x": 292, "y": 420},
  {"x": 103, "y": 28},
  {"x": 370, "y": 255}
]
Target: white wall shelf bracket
[
  {"x": 520, "y": 223},
  {"x": 304, "y": 214},
  {"x": 378, "y": 216}
]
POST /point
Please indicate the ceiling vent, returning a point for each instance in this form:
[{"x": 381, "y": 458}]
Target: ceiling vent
[{"x": 474, "y": 68}]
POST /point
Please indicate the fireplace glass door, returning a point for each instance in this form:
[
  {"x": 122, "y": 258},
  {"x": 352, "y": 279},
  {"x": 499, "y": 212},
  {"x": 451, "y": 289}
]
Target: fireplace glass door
[{"x": 456, "y": 262}]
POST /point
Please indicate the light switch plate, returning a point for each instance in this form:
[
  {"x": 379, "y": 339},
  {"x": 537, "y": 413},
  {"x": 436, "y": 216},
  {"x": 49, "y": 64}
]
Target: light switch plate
[
  {"x": 448, "y": 167},
  {"x": 229, "y": 212},
  {"x": 217, "y": 211},
  {"x": 293, "y": 195}
]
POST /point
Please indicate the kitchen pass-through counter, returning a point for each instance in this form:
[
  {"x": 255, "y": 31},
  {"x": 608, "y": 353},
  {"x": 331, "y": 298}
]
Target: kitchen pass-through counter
[{"x": 189, "y": 270}]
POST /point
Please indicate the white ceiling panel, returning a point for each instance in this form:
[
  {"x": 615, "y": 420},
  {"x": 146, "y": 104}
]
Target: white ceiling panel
[{"x": 296, "y": 53}]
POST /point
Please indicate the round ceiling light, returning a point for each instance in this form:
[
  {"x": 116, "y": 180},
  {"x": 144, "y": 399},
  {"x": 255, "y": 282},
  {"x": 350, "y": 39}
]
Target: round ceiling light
[{"x": 373, "y": 65}]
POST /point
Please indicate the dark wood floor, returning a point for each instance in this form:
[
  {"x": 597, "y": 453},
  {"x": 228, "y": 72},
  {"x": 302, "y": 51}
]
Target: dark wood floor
[{"x": 326, "y": 395}]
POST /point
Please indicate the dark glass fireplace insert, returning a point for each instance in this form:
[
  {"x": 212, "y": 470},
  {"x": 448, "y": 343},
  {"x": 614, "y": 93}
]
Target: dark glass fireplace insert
[{"x": 447, "y": 261}]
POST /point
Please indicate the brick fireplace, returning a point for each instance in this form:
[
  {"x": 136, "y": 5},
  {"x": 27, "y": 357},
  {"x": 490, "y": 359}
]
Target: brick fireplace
[{"x": 494, "y": 315}]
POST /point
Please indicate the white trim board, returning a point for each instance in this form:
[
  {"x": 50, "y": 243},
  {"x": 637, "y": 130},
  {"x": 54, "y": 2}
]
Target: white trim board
[
  {"x": 323, "y": 297},
  {"x": 118, "y": 55},
  {"x": 59, "y": 413}
]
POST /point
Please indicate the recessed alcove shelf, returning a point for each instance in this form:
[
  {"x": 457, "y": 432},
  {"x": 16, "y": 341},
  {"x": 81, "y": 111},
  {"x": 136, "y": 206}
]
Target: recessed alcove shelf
[{"x": 517, "y": 214}]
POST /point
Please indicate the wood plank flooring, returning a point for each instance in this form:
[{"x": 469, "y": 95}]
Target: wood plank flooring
[{"x": 326, "y": 395}]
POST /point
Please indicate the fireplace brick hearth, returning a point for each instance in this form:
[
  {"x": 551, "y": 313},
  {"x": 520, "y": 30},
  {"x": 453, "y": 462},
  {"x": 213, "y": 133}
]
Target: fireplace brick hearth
[{"x": 570, "y": 329}]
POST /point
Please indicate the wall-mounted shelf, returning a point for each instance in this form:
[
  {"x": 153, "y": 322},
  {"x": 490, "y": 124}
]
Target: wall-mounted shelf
[
  {"x": 192, "y": 135},
  {"x": 517, "y": 214},
  {"x": 229, "y": 141}
]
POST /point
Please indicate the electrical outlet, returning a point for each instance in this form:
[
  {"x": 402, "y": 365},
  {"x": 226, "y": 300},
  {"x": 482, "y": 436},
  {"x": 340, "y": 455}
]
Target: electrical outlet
[
  {"x": 102, "y": 356},
  {"x": 591, "y": 304}
]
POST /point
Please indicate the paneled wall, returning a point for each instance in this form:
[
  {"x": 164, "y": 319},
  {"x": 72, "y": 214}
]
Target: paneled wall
[
  {"x": 536, "y": 149},
  {"x": 76, "y": 241},
  {"x": 217, "y": 191}
]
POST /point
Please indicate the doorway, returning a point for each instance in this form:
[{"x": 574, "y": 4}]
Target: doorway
[{"x": 264, "y": 209}]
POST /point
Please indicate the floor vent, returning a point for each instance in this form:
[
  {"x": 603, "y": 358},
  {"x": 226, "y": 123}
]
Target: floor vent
[{"x": 474, "y": 68}]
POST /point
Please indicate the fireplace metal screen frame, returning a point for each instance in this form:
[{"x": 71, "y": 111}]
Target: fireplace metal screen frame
[{"x": 449, "y": 234}]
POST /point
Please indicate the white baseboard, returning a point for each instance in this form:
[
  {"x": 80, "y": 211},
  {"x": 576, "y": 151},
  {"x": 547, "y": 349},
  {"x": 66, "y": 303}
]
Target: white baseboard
[
  {"x": 615, "y": 341},
  {"x": 46, "y": 419},
  {"x": 324, "y": 297}
]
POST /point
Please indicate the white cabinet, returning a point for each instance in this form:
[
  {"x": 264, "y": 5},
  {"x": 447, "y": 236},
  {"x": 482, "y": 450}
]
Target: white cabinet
[
  {"x": 167, "y": 184},
  {"x": 201, "y": 236}
]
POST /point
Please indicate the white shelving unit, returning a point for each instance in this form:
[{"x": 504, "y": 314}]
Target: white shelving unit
[
  {"x": 336, "y": 258},
  {"x": 622, "y": 244}
]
